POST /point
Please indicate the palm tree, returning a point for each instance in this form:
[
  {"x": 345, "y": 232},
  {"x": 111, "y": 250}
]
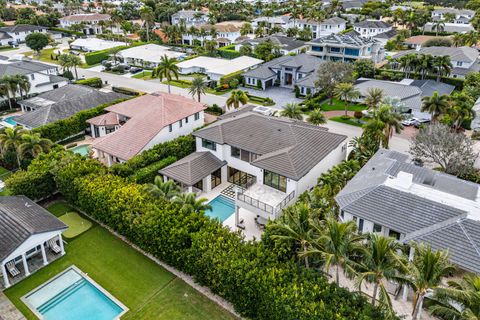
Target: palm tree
[
  {"x": 346, "y": 91},
  {"x": 246, "y": 29},
  {"x": 292, "y": 111},
  {"x": 10, "y": 86},
  {"x": 190, "y": 203},
  {"x": 160, "y": 189},
  {"x": 146, "y": 14},
  {"x": 462, "y": 109},
  {"x": 33, "y": 144},
  {"x": 10, "y": 139},
  {"x": 236, "y": 97},
  {"x": 68, "y": 60},
  {"x": 391, "y": 120},
  {"x": 317, "y": 117},
  {"x": 458, "y": 40},
  {"x": 436, "y": 105},
  {"x": 442, "y": 65},
  {"x": 460, "y": 301},
  {"x": 374, "y": 97},
  {"x": 438, "y": 26},
  {"x": 166, "y": 69},
  {"x": 198, "y": 87},
  {"x": 23, "y": 84}
]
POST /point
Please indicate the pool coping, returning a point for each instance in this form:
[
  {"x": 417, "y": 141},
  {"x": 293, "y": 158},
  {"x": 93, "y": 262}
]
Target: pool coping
[{"x": 85, "y": 276}]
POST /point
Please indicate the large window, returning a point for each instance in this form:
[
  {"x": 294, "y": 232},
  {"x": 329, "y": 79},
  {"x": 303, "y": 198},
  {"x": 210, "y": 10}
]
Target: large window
[
  {"x": 394, "y": 234},
  {"x": 275, "y": 180},
  {"x": 377, "y": 228},
  {"x": 209, "y": 144},
  {"x": 235, "y": 152},
  {"x": 240, "y": 178}
]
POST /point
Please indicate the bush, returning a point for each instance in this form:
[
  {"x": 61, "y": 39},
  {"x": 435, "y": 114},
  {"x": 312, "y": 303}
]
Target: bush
[
  {"x": 68, "y": 74},
  {"x": 148, "y": 173},
  {"x": 99, "y": 56},
  {"x": 91, "y": 82},
  {"x": 215, "y": 110},
  {"x": 127, "y": 91},
  {"x": 232, "y": 76},
  {"x": 67, "y": 31},
  {"x": 119, "y": 69},
  {"x": 228, "y": 52}
]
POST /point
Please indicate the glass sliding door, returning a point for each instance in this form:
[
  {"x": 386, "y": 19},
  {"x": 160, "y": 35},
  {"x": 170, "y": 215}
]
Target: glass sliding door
[
  {"x": 216, "y": 178},
  {"x": 275, "y": 180},
  {"x": 240, "y": 178}
]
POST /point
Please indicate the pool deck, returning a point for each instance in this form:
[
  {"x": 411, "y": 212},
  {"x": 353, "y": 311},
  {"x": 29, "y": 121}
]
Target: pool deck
[{"x": 7, "y": 310}]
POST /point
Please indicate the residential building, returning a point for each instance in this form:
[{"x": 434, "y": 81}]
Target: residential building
[
  {"x": 326, "y": 27},
  {"x": 285, "y": 44},
  {"x": 189, "y": 18},
  {"x": 476, "y": 120},
  {"x": 449, "y": 27},
  {"x": 464, "y": 59},
  {"x": 91, "y": 22},
  {"x": 62, "y": 103},
  {"x": 272, "y": 160},
  {"x": 148, "y": 55},
  {"x": 408, "y": 92},
  {"x": 215, "y": 68},
  {"x": 460, "y": 16},
  {"x": 417, "y": 42},
  {"x": 347, "y": 48},
  {"x": 138, "y": 124},
  {"x": 393, "y": 197},
  {"x": 94, "y": 44},
  {"x": 287, "y": 72},
  {"x": 10, "y": 35},
  {"x": 30, "y": 238},
  {"x": 224, "y": 33},
  {"x": 374, "y": 29}
]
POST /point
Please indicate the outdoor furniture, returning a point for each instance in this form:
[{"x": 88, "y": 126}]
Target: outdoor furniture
[
  {"x": 54, "y": 246},
  {"x": 241, "y": 224},
  {"x": 260, "y": 221},
  {"x": 12, "y": 269}
]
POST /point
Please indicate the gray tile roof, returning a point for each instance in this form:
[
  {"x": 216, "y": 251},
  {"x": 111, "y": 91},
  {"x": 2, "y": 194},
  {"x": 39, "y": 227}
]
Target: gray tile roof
[
  {"x": 62, "y": 103},
  {"x": 4, "y": 36},
  {"x": 347, "y": 40},
  {"x": 23, "y": 67},
  {"x": 283, "y": 42},
  {"x": 287, "y": 147},
  {"x": 374, "y": 24},
  {"x": 193, "y": 168},
  {"x": 465, "y": 54},
  {"x": 21, "y": 218},
  {"x": 387, "y": 34},
  {"x": 22, "y": 28}
]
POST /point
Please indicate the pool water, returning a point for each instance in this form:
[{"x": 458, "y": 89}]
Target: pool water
[
  {"x": 10, "y": 120},
  {"x": 72, "y": 297},
  {"x": 82, "y": 150},
  {"x": 222, "y": 208}
]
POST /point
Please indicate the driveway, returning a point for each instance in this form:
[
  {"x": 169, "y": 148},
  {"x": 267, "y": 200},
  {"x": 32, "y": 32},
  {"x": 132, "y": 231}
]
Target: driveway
[{"x": 281, "y": 96}]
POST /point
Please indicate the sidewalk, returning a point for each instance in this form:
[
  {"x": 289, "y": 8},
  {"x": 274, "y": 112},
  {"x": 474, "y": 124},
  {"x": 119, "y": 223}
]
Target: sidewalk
[{"x": 7, "y": 310}]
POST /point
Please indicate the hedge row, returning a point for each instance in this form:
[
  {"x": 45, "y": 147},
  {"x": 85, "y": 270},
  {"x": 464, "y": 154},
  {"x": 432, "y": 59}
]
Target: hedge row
[
  {"x": 147, "y": 174},
  {"x": 127, "y": 91},
  {"x": 247, "y": 274},
  {"x": 389, "y": 74},
  {"x": 62, "y": 129},
  {"x": 226, "y": 79},
  {"x": 228, "y": 52},
  {"x": 98, "y": 56},
  {"x": 94, "y": 82}
]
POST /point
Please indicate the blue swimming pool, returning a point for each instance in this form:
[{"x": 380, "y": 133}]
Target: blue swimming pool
[
  {"x": 82, "y": 150},
  {"x": 10, "y": 120},
  {"x": 71, "y": 296},
  {"x": 222, "y": 208}
]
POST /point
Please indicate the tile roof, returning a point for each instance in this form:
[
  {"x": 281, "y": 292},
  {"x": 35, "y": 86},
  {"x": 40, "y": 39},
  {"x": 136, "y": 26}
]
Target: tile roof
[
  {"x": 21, "y": 28},
  {"x": 419, "y": 39},
  {"x": 86, "y": 17},
  {"x": 21, "y": 218},
  {"x": 287, "y": 147},
  {"x": 377, "y": 24},
  {"x": 148, "y": 115},
  {"x": 347, "y": 40},
  {"x": 23, "y": 67},
  {"x": 466, "y": 54},
  {"x": 283, "y": 42},
  {"x": 107, "y": 119}
]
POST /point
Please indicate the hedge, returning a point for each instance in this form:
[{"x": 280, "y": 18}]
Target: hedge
[
  {"x": 127, "y": 91},
  {"x": 389, "y": 74},
  {"x": 226, "y": 79},
  {"x": 62, "y": 129},
  {"x": 95, "y": 82},
  {"x": 67, "y": 31},
  {"x": 148, "y": 173},
  {"x": 227, "y": 52},
  {"x": 98, "y": 56}
]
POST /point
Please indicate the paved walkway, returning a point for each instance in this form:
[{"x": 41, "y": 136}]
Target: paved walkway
[
  {"x": 281, "y": 96},
  {"x": 7, "y": 310}
]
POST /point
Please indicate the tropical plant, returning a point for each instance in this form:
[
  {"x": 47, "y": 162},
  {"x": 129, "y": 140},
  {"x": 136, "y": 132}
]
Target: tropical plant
[
  {"x": 190, "y": 203},
  {"x": 37, "y": 41},
  {"x": 346, "y": 92},
  {"x": 33, "y": 145},
  {"x": 160, "y": 189},
  {"x": 10, "y": 139},
  {"x": 385, "y": 121},
  {"x": 23, "y": 84},
  {"x": 9, "y": 86},
  {"x": 236, "y": 98},
  {"x": 442, "y": 66},
  {"x": 166, "y": 69},
  {"x": 147, "y": 15},
  {"x": 317, "y": 117},
  {"x": 373, "y": 97},
  {"x": 292, "y": 111},
  {"x": 198, "y": 87},
  {"x": 68, "y": 60},
  {"x": 437, "y": 105},
  {"x": 438, "y": 26}
]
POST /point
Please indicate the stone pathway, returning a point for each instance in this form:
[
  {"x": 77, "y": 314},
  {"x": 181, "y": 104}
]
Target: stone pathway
[{"x": 7, "y": 310}]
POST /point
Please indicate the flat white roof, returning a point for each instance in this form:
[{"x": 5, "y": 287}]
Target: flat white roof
[
  {"x": 220, "y": 66},
  {"x": 94, "y": 44},
  {"x": 150, "y": 52}
]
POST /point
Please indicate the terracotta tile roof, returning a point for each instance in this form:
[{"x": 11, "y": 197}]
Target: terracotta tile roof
[
  {"x": 148, "y": 114},
  {"x": 107, "y": 119},
  {"x": 419, "y": 39}
]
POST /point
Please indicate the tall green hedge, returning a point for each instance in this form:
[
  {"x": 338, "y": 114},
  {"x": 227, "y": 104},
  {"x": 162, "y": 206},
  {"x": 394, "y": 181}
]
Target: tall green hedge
[
  {"x": 98, "y": 56},
  {"x": 228, "y": 52},
  {"x": 147, "y": 174},
  {"x": 94, "y": 82}
]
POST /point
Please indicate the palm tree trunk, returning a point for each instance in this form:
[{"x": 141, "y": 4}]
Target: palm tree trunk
[
  {"x": 337, "y": 274},
  {"x": 148, "y": 37},
  {"x": 418, "y": 308},
  {"x": 307, "y": 265},
  {"x": 76, "y": 73},
  {"x": 199, "y": 94},
  {"x": 374, "y": 296},
  {"x": 346, "y": 107},
  {"x": 168, "y": 83}
]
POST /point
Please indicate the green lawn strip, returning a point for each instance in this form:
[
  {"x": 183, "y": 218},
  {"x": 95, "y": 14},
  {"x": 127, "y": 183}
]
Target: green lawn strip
[
  {"x": 144, "y": 75},
  {"x": 59, "y": 208},
  {"x": 7, "y": 48},
  {"x": 340, "y": 105},
  {"x": 76, "y": 224},
  {"x": 350, "y": 121}
]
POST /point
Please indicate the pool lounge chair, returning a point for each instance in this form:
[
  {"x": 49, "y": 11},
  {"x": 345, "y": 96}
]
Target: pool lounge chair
[
  {"x": 12, "y": 269},
  {"x": 52, "y": 243},
  {"x": 260, "y": 221}
]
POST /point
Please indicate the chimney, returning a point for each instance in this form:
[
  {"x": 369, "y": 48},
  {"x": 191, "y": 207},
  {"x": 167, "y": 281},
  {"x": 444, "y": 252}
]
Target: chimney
[{"x": 403, "y": 180}]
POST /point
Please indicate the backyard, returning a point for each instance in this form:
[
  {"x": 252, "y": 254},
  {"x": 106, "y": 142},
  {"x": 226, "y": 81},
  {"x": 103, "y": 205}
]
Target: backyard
[
  {"x": 147, "y": 289},
  {"x": 340, "y": 106}
]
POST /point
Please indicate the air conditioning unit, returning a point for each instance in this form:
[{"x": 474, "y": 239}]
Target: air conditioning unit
[{"x": 263, "y": 110}]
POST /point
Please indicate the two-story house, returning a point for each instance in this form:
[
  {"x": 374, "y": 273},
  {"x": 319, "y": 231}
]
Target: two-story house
[
  {"x": 326, "y": 27},
  {"x": 10, "y": 35},
  {"x": 90, "y": 22},
  {"x": 189, "y": 18},
  {"x": 135, "y": 125},
  {"x": 459, "y": 16},
  {"x": 224, "y": 33},
  {"x": 286, "y": 45},
  {"x": 374, "y": 29}
]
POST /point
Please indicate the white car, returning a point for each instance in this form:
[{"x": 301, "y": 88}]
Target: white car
[{"x": 410, "y": 121}]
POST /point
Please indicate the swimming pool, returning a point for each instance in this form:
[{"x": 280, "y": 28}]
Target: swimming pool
[
  {"x": 10, "y": 121},
  {"x": 222, "y": 208},
  {"x": 83, "y": 150},
  {"x": 73, "y": 296}
]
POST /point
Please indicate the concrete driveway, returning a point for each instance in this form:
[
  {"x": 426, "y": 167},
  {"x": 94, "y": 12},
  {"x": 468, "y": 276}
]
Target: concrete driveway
[{"x": 281, "y": 96}]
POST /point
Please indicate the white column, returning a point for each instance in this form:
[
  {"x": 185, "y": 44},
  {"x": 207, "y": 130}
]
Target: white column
[
  {"x": 165, "y": 178},
  {"x": 237, "y": 208},
  {"x": 25, "y": 265},
  {"x": 190, "y": 189},
  {"x": 405, "y": 287},
  {"x": 44, "y": 255},
  {"x": 61, "y": 244},
  {"x": 5, "y": 276}
]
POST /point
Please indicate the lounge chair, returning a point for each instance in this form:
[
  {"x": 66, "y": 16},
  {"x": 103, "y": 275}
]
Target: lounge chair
[
  {"x": 12, "y": 269},
  {"x": 52, "y": 243},
  {"x": 260, "y": 221}
]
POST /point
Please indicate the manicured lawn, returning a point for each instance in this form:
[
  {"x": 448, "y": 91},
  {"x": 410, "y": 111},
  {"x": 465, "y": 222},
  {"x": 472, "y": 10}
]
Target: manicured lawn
[
  {"x": 148, "y": 290},
  {"x": 350, "y": 121},
  {"x": 340, "y": 105},
  {"x": 144, "y": 75},
  {"x": 59, "y": 208},
  {"x": 76, "y": 224},
  {"x": 185, "y": 84}
]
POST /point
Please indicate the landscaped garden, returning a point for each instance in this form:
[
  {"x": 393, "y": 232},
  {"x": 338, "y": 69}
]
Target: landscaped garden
[
  {"x": 339, "y": 105},
  {"x": 148, "y": 290}
]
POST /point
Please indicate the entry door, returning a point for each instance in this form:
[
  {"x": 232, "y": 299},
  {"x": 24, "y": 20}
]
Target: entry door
[{"x": 288, "y": 79}]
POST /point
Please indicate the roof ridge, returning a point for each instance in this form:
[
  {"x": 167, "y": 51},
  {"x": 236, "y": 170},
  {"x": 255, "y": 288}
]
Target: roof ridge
[
  {"x": 432, "y": 228},
  {"x": 474, "y": 245}
]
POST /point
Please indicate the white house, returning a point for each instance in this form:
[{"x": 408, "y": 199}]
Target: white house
[
  {"x": 94, "y": 44},
  {"x": 30, "y": 238},
  {"x": 374, "y": 29},
  {"x": 138, "y": 124},
  {"x": 286, "y": 45},
  {"x": 91, "y": 22},
  {"x": 17, "y": 33},
  {"x": 225, "y": 33},
  {"x": 460, "y": 16},
  {"x": 326, "y": 27},
  {"x": 149, "y": 55},
  {"x": 189, "y": 18}
]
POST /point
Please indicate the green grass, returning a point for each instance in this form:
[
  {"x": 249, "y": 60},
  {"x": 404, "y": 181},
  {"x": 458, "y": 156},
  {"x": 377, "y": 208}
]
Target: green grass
[
  {"x": 76, "y": 224},
  {"x": 59, "y": 208},
  {"x": 340, "y": 105},
  {"x": 4, "y": 173},
  {"x": 148, "y": 290},
  {"x": 7, "y": 48},
  {"x": 144, "y": 75},
  {"x": 350, "y": 121}
]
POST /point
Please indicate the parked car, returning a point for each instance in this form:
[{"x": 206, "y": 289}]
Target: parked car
[
  {"x": 420, "y": 122},
  {"x": 409, "y": 122},
  {"x": 135, "y": 70}
]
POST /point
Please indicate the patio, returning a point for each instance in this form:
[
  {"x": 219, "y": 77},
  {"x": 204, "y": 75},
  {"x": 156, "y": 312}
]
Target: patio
[{"x": 280, "y": 95}]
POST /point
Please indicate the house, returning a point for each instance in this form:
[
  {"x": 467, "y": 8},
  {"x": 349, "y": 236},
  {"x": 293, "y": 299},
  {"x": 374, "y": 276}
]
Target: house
[
  {"x": 408, "y": 92},
  {"x": 215, "y": 68},
  {"x": 393, "y": 197},
  {"x": 272, "y": 160},
  {"x": 91, "y": 23},
  {"x": 224, "y": 33},
  {"x": 326, "y": 27},
  {"x": 285, "y": 44},
  {"x": 43, "y": 77},
  {"x": 30, "y": 238},
  {"x": 417, "y": 42},
  {"x": 449, "y": 27},
  {"x": 148, "y": 55},
  {"x": 464, "y": 59},
  {"x": 94, "y": 44},
  {"x": 189, "y": 18},
  {"x": 374, "y": 29},
  {"x": 272, "y": 22},
  {"x": 62, "y": 103},
  {"x": 286, "y": 71},
  {"x": 347, "y": 48},
  {"x": 460, "y": 16},
  {"x": 10, "y": 35},
  {"x": 476, "y": 120},
  {"x": 138, "y": 124}
]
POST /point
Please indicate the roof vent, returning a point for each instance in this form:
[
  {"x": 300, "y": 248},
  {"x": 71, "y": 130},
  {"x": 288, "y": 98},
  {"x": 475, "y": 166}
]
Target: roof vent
[{"x": 263, "y": 110}]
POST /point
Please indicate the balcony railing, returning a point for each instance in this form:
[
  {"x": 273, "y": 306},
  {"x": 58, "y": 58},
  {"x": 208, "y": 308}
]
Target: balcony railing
[{"x": 273, "y": 210}]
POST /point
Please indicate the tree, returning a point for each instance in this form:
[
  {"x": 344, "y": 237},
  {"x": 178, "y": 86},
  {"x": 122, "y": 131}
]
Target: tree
[
  {"x": 237, "y": 97},
  {"x": 198, "y": 87},
  {"x": 37, "y": 41},
  {"x": 438, "y": 42},
  {"x": 246, "y": 29},
  {"x": 68, "y": 60},
  {"x": 160, "y": 189},
  {"x": 364, "y": 68},
  {"x": 33, "y": 145},
  {"x": 292, "y": 111},
  {"x": 166, "y": 69},
  {"x": 245, "y": 50},
  {"x": 437, "y": 105},
  {"x": 146, "y": 14},
  {"x": 438, "y": 26},
  {"x": 10, "y": 139},
  {"x": 190, "y": 203},
  {"x": 267, "y": 50},
  {"x": 452, "y": 151},
  {"x": 9, "y": 86},
  {"x": 442, "y": 66},
  {"x": 373, "y": 97},
  {"x": 330, "y": 74},
  {"x": 346, "y": 92},
  {"x": 383, "y": 123},
  {"x": 23, "y": 84},
  {"x": 462, "y": 109},
  {"x": 317, "y": 117}
]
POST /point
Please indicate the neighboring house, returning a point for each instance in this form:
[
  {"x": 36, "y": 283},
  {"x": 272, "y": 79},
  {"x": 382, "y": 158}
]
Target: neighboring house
[
  {"x": 374, "y": 29},
  {"x": 326, "y": 27},
  {"x": 287, "y": 72},
  {"x": 215, "y": 68},
  {"x": 347, "y": 48},
  {"x": 476, "y": 121},
  {"x": 189, "y": 18},
  {"x": 464, "y": 59},
  {"x": 226, "y": 33},
  {"x": 30, "y": 238},
  {"x": 91, "y": 22},
  {"x": 149, "y": 55},
  {"x": 285, "y": 44},
  {"x": 16, "y": 34},
  {"x": 138, "y": 124},
  {"x": 43, "y": 77},
  {"x": 94, "y": 44},
  {"x": 62, "y": 103},
  {"x": 462, "y": 16},
  {"x": 449, "y": 27},
  {"x": 273, "y": 160},
  {"x": 409, "y": 92},
  {"x": 393, "y": 197},
  {"x": 272, "y": 22},
  {"x": 417, "y": 42}
]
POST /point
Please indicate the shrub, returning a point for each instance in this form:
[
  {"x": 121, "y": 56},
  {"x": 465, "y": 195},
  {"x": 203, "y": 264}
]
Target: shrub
[
  {"x": 148, "y": 173},
  {"x": 229, "y": 77},
  {"x": 215, "y": 110},
  {"x": 68, "y": 74},
  {"x": 98, "y": 56},
  {"x": 228, "y": 52},
  {"x": 127, "y": 91},
  {"x": 91, "y": 82}
]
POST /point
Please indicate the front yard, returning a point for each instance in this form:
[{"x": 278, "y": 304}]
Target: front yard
[
  {"x": 340, "y": 105},
  {"x": 147, "y": 289}
]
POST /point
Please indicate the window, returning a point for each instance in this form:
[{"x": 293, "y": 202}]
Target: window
[
  {"x": 197, "y": 116},
  {"x": 459, "y": 63},
  {"x": 360, "y": 225},
  {"x": 32, "y": 76},
  {"x": 186, "y": 120},
  {"x": 209, "y": 144},
  {"x": 109, "y": 130},
  {"x": 170, "y": 127},
  {"x": 245, "y": 155},
  {"x": 275, "y": 180},
  {"x": 180, "y": 124},
  {"x": 394, "y": 234},
  {"x": 377, "y": 228},
  {"x": 235, "y": 152}
]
